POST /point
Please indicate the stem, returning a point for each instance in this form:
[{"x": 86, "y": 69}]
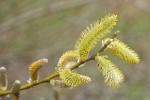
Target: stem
[
  {"x": 16, "y": 97},
  {"x": 56, "y": 74},
  {"x": 32, "y": 84},
  {"x": 56, "y": 94}
]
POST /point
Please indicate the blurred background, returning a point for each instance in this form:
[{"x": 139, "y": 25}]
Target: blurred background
[{"x": 35, "y": 29}]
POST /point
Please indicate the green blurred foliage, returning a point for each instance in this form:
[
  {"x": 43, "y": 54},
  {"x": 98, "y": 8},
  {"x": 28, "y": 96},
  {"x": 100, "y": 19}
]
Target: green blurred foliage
[{"x": 35, "y": 29}]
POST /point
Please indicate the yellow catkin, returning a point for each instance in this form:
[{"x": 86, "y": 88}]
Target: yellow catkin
[
  {"x": 113, "y": 77},
  {"x": 66, "y": 58},
  {"x": 34, "y": 69},
  {"x": 73, "y": 79},
  {"x": 121, "y": 50},
  {"x": 93, "y": 34}
]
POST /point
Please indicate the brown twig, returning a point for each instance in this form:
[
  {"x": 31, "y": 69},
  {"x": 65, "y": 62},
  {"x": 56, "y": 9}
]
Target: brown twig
[
  {"x": 56, "y": 74},
  {"x": 16, "y": 98},
  {"x": 56, "y": 94}
]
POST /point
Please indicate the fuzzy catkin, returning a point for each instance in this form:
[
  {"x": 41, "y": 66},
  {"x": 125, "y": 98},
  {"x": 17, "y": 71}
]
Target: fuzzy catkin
[
  {"x": 34, "y": 69},
  {"x": 124, "y": 52},
  {"x": 66, "y": 58},
  {"x": 16, "y": 88},
  {"x": 93, "y": 34},
  {"x": 73, "y": 79},
  {"x": 113, "y": 77},
  {"x": 3, "y": 79}
]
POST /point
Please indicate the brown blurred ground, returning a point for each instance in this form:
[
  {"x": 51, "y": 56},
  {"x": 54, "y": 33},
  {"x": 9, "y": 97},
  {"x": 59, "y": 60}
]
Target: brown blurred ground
[{"x": 35, "y": 29}]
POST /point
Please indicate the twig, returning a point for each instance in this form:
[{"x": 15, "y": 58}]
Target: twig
[
  {"x": 16, "y": 98},
  {"x": 56, "y": 94},
  {"x": 56, "y": 74}
]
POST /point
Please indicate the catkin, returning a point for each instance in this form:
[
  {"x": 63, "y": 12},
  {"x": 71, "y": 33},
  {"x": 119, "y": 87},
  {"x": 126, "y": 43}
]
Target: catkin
[
  {"x": 113, "y": 77},
  {"x": 73, "y": 79},
  {"x": 124, "y": 52},
  {"x": 34, "y": 69},
  {"x": 93, "y": 34}
]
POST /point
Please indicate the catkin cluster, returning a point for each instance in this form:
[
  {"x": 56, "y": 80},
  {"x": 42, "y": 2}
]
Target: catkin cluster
[{"x": 92, "y": 35}]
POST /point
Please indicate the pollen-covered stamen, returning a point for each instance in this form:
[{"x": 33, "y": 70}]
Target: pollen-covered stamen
[
  {"x": 124, "y": 52},
  {"x": 113, "y": 77},
  {"x": 34, "y": 69},
  {"x": 3, "y": 79},
  {"x": 93, "y": 34},
  {"x": 68, "y": 58},
  {"x": 73, "y": 79}
]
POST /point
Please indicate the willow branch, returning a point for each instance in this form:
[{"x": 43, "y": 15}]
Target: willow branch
[
  {"x": 27, "y": 86},
  {"x": 56, "y": 74}
]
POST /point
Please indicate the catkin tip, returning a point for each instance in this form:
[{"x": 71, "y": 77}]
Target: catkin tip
[
  {"x": 17, "y": 82},
  {"x": 3, "y": 69},
  {"x": 16, "y": 88},
  {"x": 45, "y": 60}
]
